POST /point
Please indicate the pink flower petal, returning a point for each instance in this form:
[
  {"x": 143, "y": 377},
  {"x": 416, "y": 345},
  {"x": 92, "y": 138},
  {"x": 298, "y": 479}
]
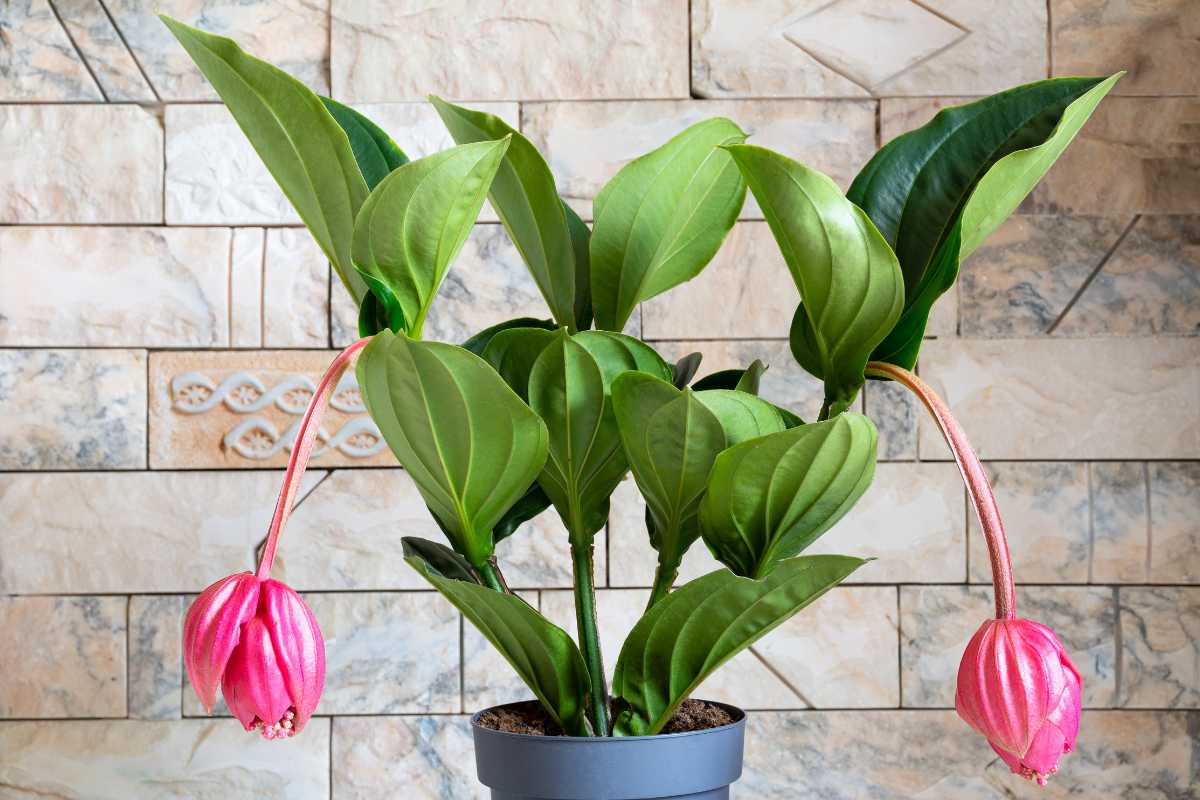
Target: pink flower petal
[
  {"x": 253, "y": 686},
  {"x": 212, "y": 628},
  {"x": 298, "y": 646}
]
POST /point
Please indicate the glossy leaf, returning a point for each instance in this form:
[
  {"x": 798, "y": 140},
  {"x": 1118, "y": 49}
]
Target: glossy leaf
[
  {"x": 746, "y": 380},
  {"x": 317, "y": 170},
  {"x": 581, "y": 240},
  {"x": 478, "y": 343},
  {"x": 530, "y": 504},
  {"x": 691, "y": 632},
  {"x": 514, "y": 351},
  {"x": 541, "y": 653},
  {"x": 374, "y": 151},
  {"x": 743, "y": 415},
  {"x": 660, "y": 220},
  {"x": 771, "y": 497},
  {"x": 937, "y": 192},
  {"x": 851, "y": 289},
  {"x": 685, "y": 369},
  {"x": 468, "y": 442},
  {"x": 616, "y": 353},
  {"x": 414, "y": 223},
  {"x": 526, "y": 199},
  {"x": 439, "y": 558}
]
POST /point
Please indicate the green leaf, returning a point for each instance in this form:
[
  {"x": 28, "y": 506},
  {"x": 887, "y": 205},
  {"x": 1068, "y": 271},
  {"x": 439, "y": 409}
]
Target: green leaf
[
  {"x": 414, "y": 223},
  {"x": 660, "y": 220},
  {"x": 685, "y": 369},
  {"x": 771, "y": 497},
  {"x": 380, "y": 310},
  {"x": 439, "y": 558},
  {"x": 851, "y": 289},
  {"x": 479, "y": 342},
  {"x": 937, "y": 192},
  {"x": 526, "y": 199},
  {"x": 691, "y": 632},
  {"x": 543, "y": 655},
  {"x": 617, "y": 353},
  {"x": 746, "y": 380},
  {"x": 301, "y": 144},
  {"x": 374, "y": 151},
  {"x": 513, "y": 352},
  {"x": 581, "y": 239},
  {"x": 532, "y": 503},
  {"x": 468, "y": 442},
  {"x": 790, "y": 420},
  {"x": 742, "y": 415}
]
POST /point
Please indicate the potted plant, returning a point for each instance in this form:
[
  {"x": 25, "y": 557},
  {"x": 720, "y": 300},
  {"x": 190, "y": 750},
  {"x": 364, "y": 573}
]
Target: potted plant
[{"x": 530, "y": 414}]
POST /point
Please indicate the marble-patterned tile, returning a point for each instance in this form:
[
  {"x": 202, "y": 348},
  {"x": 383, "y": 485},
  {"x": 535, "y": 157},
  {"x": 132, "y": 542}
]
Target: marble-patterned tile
[
  {"x": 1046, "y": 516},
  {"x": 132, "y": 532},
  {"x": 744, "y": 681},
  {"x": 943, "y": 318},
  {"x": 422, "y": 758},
  {"x": 246, "y": 267},
  {"x": 111, "y": 62},
  {"x": 1153, "y": 40},
  {"x": 38, "y": 62},
  {"x": 489, "y": 680},
  {"x": 569, "y": 50},
  {"x": 1160, "y": 647},
  {"x": 241, "y": 409},
  {"x": 156, "y": 656},
  {"x": 842, "y": 652},
  {"x": 86, "y": 300},
  {"x": 80, "y": 164},
  {"x": 1120, "y": 522},
  {"x": 72, "y": 409},
  {"x": 894, "y": 410},
  {"x": 587, "y": 143},
  {"x": 292, "y": 35},
  {"x": 538, "y": 554},
  {"x": 746, "y": 291},
  {"x": 295, "y": 290},
  {"x": 936, "y": 622},
  {"x": 1135, "y": 155},
  {"x": 853, "y": 48},
  {"x": 1150, "y": 286},
  {"x": 1174, "y": 523},
  {"x": 195, "y": 758},
  {"x": 1068, "y": 398},
  {"x": 65, "y": 657},
  {"x": 1023, "y": 276}
]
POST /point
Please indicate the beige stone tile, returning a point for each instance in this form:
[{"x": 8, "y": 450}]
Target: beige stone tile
[
  {"x": 38, "y": 62},
  {"x": 80, "y": 164},
  {"x": 293, "y": 35},
  {"x": 111, "y": 62},
  {"x": 1150, "y": 286},
  {"x": 202, "y": 759},
  {"x": 569, "y": 50},
  {"x": 156, "y": 656},
  {"x": 538, "y": 554},
  {"x": 937, "y": 622},
  {"x": 894, "y": 410},
  {"x": 246, "y": 267},
  {"x": 943, "y": 317},
  {"x": 1045, "y": 508},
  {"x": 65, "y": 657},
  {"x": 1120, "y": 522},
  {"x": 1068, "y": 399},
  {"x": 1174, "y": 523},
  {"x": 1160, "y": 647},
  {"x": 853, "y": 48},
  {"x": 136, "y": 532},
  {"x": 422, "y": 758},
  {"x": 1154, "y": 40},
  {"x": 72, "y": 409},
  {"x": 489, "y": 680},
  {"x": 587, "y": 143},
  {"x": 240, "y": 409},
  {"x": 746, "y": 291},
  {"x": 1135, "y": 155},
  {"x": 87, "y": 299},
  {"x": 295, "y": 290}
]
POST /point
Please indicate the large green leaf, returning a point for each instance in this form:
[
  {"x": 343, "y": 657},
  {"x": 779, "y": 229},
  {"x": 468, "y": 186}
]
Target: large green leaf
[
  {"x": 617, "y": 353},
  {"x": 851, "y": 289},
  {"x": 660, "y": 220},
  {"x": 374, "y": 151},
  {"x": 468, "y": 442},
  {"x": 698, "y": 627},
  {"x": 524, "y": 195},
  {"x": 543, "y": 655},
  {"x": 771, "y": 497},
  {"x": 478, "y": 343},
  {"x": 743, "y": 416},
  {"x": 513, "y": 352},
  {"x": 937, "y": 192},
  {"x": 414, "y": 223},
  {"x": 303, "y": 147},
  {"x": 581, "y": 241}
]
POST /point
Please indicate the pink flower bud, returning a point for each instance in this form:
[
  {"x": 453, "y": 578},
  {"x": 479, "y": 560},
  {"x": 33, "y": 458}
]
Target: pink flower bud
[{"x": 1018, "y": 687}]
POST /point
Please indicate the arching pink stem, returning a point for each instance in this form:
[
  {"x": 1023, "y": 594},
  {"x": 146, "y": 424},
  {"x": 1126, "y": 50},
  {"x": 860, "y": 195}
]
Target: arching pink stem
[
  {"x": 978, "y": 487},
  {"x": 306, "y": 437}
]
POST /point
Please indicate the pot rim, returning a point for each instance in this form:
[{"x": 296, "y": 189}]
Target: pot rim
[{"x": 738, "y": 714}]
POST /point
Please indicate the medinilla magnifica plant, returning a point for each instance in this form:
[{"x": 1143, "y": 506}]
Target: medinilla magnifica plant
[{"x": 537, "y": 413}]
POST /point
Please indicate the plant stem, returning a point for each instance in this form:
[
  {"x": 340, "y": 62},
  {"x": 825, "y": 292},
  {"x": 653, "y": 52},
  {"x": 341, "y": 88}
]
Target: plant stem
[
  {"x": 492, "y": 576},
  {"x": 306, "y": 437},
  {"x": 589, "y": 638},
  {"x": 974, "y": 476},
  {"x": 664, "y": 579}
]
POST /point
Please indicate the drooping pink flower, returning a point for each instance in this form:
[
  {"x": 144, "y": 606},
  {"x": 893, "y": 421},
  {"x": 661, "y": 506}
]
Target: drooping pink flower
[{"x": 1018, "y": 687}]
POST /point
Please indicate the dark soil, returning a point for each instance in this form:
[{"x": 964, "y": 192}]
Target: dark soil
[{"x": 531, "y": 718}]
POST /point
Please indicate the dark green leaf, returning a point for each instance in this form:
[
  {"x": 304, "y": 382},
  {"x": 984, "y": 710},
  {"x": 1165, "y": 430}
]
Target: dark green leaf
[
  {"x": 685, "y": 369},
  {"x": 513, "y": 352},
  {"x": 479, "y": 342},
  {"x": 581, "y": 239},
  {"x": 532, "y": 503},
  {"x": 439, "y": 559},
  {"x": 380, "y": 310},
  {"x": 746, "y": 380},
  {"x": 374, "y": 151}
]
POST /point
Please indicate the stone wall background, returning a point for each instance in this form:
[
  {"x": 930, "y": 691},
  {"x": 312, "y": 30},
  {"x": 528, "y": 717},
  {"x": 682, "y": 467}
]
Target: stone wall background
[{"x": 160, "y": 313}]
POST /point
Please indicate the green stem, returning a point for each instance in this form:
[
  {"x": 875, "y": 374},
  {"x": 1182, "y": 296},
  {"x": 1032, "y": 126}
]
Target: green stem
[
  {"x": 664, "y": 579},
  {"x": 589, "y": 636},
  {"x": 491, "y": 576}
]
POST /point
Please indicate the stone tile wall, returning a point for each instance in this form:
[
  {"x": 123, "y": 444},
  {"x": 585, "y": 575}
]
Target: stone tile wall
[{"x": 163, "y": 318}]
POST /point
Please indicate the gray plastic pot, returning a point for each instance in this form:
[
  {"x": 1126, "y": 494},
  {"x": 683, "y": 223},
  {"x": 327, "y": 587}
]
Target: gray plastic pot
[{"x": 698, "y": 765}]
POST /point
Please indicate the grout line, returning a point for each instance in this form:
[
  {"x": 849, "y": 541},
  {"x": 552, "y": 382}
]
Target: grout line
[
  {"x": 136, "y": 62},
  {"x": 67, "y": 32},
  {"x": 1091, "y": 277}
]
